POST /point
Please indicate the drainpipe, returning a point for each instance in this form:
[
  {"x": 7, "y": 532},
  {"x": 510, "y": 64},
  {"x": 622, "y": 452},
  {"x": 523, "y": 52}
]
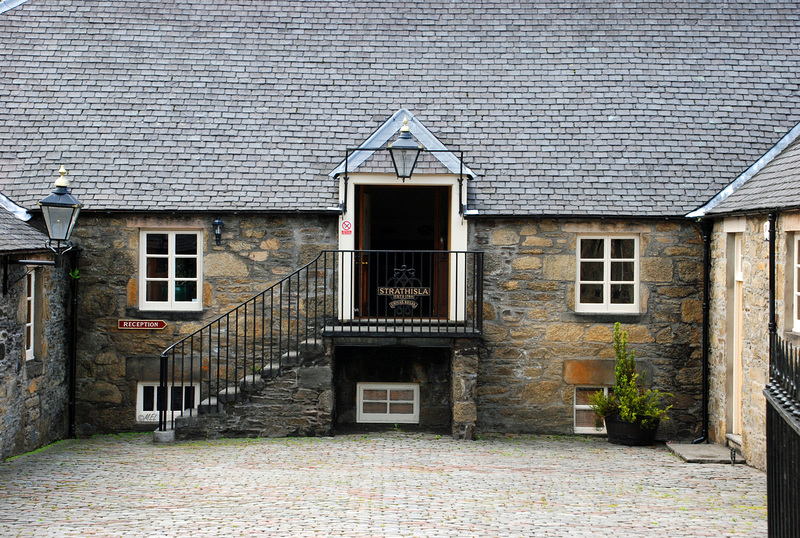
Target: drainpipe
[
  {"x": 706, "y": 227},
  {"x": 773, "y": 325},
  {"x": 72, "y": 358}
]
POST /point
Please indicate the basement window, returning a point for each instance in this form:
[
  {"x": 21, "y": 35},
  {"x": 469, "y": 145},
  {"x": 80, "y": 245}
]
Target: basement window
[
  {"x": 584, "y": 416},
  {"x": 150, "y": 398},
  {"x": 388, "y": 403}
]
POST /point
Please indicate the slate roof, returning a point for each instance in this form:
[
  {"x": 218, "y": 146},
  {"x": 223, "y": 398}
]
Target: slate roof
[
  {"x": 583, "y": 108},
  {"x": 775, "y": 186},
  {"x": 17, "y": 235}
]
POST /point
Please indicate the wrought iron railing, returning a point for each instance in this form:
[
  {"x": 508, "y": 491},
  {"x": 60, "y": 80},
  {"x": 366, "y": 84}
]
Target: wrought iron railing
[
  {"x": 339, "y": 293},
  {"x": 783, "y": 439}
]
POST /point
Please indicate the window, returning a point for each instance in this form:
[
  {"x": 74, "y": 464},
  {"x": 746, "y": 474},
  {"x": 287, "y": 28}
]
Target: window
[
  {"x": 608, "y": 274},
  {"x": 170, "y": 271},
  {"x": 32, "y": 312},
  {"x": 149, "y": 395},
  {"x": 388, "y": 402},
  {"x": 584, "y": 416}
]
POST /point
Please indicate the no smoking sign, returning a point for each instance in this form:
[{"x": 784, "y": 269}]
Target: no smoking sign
[{"x": 347, "y": 227}]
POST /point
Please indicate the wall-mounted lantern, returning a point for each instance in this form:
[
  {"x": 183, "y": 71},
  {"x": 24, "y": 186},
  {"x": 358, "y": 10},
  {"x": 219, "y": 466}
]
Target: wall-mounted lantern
[{"x": 218, "y": 224}]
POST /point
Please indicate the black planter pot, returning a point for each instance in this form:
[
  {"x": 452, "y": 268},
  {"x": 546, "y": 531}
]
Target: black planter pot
[{"x": 621, "y": 432}]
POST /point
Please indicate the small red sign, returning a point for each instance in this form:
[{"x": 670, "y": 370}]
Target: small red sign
[
  {"x": 141, "y": 324},
  {"x": 347, "y": 227}
]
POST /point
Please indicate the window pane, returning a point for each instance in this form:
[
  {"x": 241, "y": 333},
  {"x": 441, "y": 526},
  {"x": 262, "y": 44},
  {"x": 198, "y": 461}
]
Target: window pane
[
  {"x": 157, "y": 244},
  {"x": 188, "y": 400},
  {"x": 374, "y": 407},
  {"x": 582, "y": 395},
  {"x": 622, "y": 271},
  {"x": 592, "y": 293},
  {"x": 592, "y": 271},
  {"x": 584, "y": 418},
  {"x": 186, "y": 268},
  {"x": 374, "y": 394},
  {"x": 157, "y": 291},
  {"x": 148, "y": 398},
  {"x": 157, "y": 267},
  {"x": 402, "y": 408},
  {"x": 622, "y": 248},
  {"x": 185, "y": 291},
  {"x": 177, "y": 398},
  {"x": 28, "y": 338},
  {"x": 403, "y": 395},
  {"x": 185, "y": 244},
  {"x": 592, "y": 248},
  {"x": 622, "y": 293}
]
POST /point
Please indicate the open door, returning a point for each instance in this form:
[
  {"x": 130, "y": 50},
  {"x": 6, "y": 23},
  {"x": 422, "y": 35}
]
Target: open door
[{"x": 403, "y": 270}]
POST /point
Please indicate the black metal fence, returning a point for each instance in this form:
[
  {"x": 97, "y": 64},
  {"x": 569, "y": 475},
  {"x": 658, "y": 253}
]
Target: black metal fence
[
  {"x": 339, "y": 293},
  {"x": 783, "y": 440}
]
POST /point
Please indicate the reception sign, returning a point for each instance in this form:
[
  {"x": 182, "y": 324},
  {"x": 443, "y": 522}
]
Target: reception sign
[{"x": 157, "y": 324}]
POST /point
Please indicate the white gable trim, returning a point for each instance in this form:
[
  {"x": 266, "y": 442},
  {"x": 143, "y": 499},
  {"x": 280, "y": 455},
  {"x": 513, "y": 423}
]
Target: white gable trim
[
  {"x": 767, "y": 158},
  {"x": 385, "y": 132},
  {"x": 20, "y": 212},
  {"x": 7, "y": 5}
]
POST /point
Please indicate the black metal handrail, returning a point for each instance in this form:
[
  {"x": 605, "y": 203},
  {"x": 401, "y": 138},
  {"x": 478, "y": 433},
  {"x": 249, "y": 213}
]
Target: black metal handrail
[{"x": 339, "y": 293}]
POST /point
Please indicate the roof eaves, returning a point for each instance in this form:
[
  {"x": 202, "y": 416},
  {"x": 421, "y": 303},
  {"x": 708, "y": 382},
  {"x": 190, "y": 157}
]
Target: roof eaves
[{"x": 756, "y": 167}]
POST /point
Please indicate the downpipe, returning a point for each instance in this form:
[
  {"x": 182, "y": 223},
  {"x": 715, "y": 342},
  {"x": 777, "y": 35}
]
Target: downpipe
[{"x": 706, "y": 227}]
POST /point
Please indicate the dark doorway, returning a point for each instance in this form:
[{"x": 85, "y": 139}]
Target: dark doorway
[{"x": 409, "y": 226}]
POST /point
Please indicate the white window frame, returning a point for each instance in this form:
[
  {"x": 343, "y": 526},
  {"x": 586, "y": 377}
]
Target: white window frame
[
  {"x": 171, "y": 303},
  {"x": 31, "y": 314},
  {"x": 796, "y": 274},
  {"x": 584, "y": 407},
  {"x": 606, "y": 305},
  {"x": 150, "y": 416},
  {"x": 388, "y": 417}
]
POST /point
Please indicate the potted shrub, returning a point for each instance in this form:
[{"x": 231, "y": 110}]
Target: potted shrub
[{"x": 631, "y": 413}]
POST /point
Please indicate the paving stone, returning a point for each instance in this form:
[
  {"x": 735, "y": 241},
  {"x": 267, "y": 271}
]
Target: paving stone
[{"x": 390, "y": 484}]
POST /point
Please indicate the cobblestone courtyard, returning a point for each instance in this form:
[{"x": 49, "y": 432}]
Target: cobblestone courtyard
[{"x": 391, "y": 484}]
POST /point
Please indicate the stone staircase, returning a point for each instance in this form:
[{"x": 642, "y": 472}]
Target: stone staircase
[{"x": 291, "y": 398}]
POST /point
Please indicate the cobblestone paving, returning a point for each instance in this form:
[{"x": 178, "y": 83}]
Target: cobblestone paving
[{"x": 390, "y": 484}]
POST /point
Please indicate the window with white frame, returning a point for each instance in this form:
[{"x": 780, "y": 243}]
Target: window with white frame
[
  {"x": 32, "y": 321},
  {"x": 170, "y": 270},
  {"x": 150, "y": 400},
  {"x": 584, "y": 416},
  {"x": 608, "y": 274},
  {"x": 388, "y": 402}
]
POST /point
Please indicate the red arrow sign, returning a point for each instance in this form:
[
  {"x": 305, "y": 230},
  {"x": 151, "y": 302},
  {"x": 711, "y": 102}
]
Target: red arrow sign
[{"x": 141, "y": 324}]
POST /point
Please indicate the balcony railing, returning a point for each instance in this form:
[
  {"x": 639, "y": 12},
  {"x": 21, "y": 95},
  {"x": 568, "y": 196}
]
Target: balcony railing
[{"x": 339, "y": 293}]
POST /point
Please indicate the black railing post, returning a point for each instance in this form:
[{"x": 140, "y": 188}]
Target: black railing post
[{"x": 161, "y": 404}]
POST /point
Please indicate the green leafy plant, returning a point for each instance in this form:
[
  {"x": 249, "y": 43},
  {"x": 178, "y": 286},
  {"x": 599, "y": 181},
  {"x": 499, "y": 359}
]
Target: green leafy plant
[
  {"x": 627, "y": 399},
  {"x": 75, "y": 274}
]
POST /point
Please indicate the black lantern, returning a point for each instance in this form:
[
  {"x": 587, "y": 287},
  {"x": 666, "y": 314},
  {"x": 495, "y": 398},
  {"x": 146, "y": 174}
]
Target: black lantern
[
  {"x": 60, "y": 211},
  {"x": 404, "y": 152},
  {"x": 218, "y": 224}
]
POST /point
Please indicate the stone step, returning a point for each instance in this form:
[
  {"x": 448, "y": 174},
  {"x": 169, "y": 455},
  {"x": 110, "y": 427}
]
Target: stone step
[
  {"x": 229, "y": 395},
  {"x": 251, "y": 383},
  {"x": 209, "y": 405}
]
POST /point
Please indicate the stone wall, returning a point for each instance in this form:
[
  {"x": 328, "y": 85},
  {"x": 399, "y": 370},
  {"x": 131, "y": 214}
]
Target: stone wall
[
  {"x": 538, "y": 348},
  {"x": 255, "y": 252},
  {"x": 755, "y": 325},
  {"x": 33, "y": 393}
]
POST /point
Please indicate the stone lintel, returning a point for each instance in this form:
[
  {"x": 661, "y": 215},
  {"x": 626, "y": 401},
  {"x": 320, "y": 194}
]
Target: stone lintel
[{"x": 589, "y": 372}]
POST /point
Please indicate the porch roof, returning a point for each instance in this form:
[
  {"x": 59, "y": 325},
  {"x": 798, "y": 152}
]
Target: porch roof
[
  {"x": 17, "y": 234},
  {"x": 561, "y": 109}
]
